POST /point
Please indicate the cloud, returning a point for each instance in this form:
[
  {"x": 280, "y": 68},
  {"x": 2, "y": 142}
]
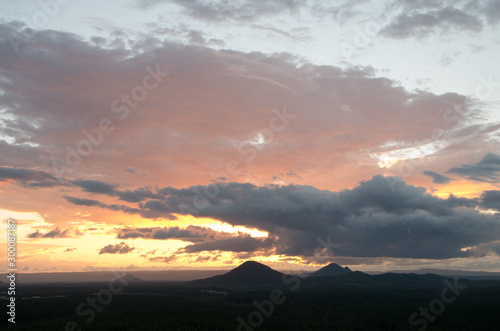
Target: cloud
[
  {"x": 82, "y": 202},
  {"x": 94, "y": 186},
  {"x": 420, "y": 25},
  {"x": 254, "y": 86},
  {"x": 486, "y": 249},
  {"x": 135, "y": 170},
  {"x": 487, "y": 170},
  {"x": 381, "y": 217},
  {"x": 191, "y": 233},
  {"x": 490, "y": 200},
  {"x": 70, "y": 249},
  {"x": 29, "y": 177},
  {"x": 491, "y": 10},
  {"x": 401, "y": 19},
  {"x": 240, "y": 244},
  {"x": 208, "y": 113},
  {"x": 121, "y": 248},
  {"x": 166, "y": 259},
  {"x": 437, "y": 178},
  {"x": 245, "y": 10},
  {"x": 56, "y": 233}
]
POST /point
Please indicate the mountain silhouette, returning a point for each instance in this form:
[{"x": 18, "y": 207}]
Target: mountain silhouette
[
  {"x": 131, "y": 279},
  {"x": 331, "y": 270},
  {"x": 253, "y": 274},
  {"x": 248, "y": 273}
]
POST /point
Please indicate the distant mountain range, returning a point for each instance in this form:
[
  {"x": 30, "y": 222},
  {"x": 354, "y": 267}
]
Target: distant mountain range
[
  {"x": 105, "y": 276},
  {"x": 248, "y": 273},
  {"x": 254, "y": 274},
  {"x": 449, "y": 273}
]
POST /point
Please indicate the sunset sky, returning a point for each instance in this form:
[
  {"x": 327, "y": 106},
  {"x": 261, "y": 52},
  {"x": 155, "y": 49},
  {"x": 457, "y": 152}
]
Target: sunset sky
[{"x": 190, "y": 134}]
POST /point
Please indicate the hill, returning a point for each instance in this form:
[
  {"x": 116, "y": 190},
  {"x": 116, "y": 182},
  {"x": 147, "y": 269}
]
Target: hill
[
  {"x": 331, "y": 270},
  {"x": 248, "y": 273},
  {"x": 131, "y": 279}
]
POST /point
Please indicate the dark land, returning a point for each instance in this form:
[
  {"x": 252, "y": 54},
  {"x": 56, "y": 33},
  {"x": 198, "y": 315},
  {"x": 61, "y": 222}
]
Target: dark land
[{"x": 256, "y": 297}]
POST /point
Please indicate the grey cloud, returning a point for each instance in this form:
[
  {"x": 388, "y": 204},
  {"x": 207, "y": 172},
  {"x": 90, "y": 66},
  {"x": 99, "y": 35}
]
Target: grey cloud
[
  {"x": 486, "y": 249},
  {"x": 29, "y": 177},
  {"x": 131, "y": 170},
  {"x": 191, "y": 233},
  {"x": 487, "y": 170},
  {"x": 94, "y": 186},
  {"x": 422, "y": 24},
  {"x": 383, "y": 216},
  {"x": 136, "y": 195},
  {"x": 115, "y": 207},
  {"x": 245, "y": 10},
  {"x": 417, "y": 18},
  {"x": 166, "y": 259},
  {"x": 135, "y": 170},
  {"x": 437, "y": 178},
  {"x": 99, "y": 187},
  {"x": 490, "y": 200},
  {"x": 121, "y": 248},
  {"x": 492, "y": 11},
  {"x": 236, "y": 244},
  {"x": 82, "y": 202},
  {"x": 382, "y": 107},
  {"x": 56, "y": 233}
]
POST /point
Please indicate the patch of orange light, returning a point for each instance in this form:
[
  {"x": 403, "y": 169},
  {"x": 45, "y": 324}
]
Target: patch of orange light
[
  {"x": 216, "y": 225},
  {"x": 463, "y": 189}
]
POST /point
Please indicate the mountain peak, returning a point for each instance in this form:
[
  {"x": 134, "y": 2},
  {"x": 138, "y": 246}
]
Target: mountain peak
[
  {"x": 252, "y": 265},
  {"x": 333, "y": 269},
  {"x": 249, "y": 272}
]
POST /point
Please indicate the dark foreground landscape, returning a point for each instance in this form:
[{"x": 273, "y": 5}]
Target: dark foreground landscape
[{"x": 255, "y": 297}]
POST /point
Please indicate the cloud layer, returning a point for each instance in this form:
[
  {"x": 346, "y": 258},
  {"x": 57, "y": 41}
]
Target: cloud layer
[{"x": 381, "y": 217}]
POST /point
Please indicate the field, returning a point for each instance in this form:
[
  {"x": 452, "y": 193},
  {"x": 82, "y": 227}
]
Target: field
[{"x": 181, "y": 306}]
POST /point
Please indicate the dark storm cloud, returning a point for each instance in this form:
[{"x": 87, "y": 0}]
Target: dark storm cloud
[
  {"x": 94, "y": 186},
  {"x": 491, "y": 200},
  {"x": 83, "y": 202},
  {"x": 121, "y": 248},
  {"x": 437, "y": 178},
  {"x": 487, "y": 170},
  {"x": 98, "y": 187},
  {"x": 114, "y": 207},
  {"x": 137, "y": 195},
  {"x": 236, "y": 244},
  {"x": 383, "y": 216},
  {"x": 191, "y": 233},
  {"x": 29, "y": 177}
]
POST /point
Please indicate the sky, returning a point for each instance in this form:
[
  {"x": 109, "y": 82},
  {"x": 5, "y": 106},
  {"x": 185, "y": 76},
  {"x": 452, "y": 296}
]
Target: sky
[{"x": 191, "y": 134}]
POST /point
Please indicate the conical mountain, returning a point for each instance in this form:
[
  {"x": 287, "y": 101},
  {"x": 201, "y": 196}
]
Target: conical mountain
[
  {"x": 331, "y": 270},
  {"x": 248, "y": 273}
]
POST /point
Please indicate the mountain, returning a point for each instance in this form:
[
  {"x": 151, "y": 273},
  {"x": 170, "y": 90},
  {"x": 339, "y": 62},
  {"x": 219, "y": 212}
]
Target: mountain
[
  {"x": 331, "y": 270},
  {"x": 131, "y": 279},
  {"x": 410, "y": 279},
  {"x": 248, "y": 273},
  {"x": 473, "y": 275}
]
